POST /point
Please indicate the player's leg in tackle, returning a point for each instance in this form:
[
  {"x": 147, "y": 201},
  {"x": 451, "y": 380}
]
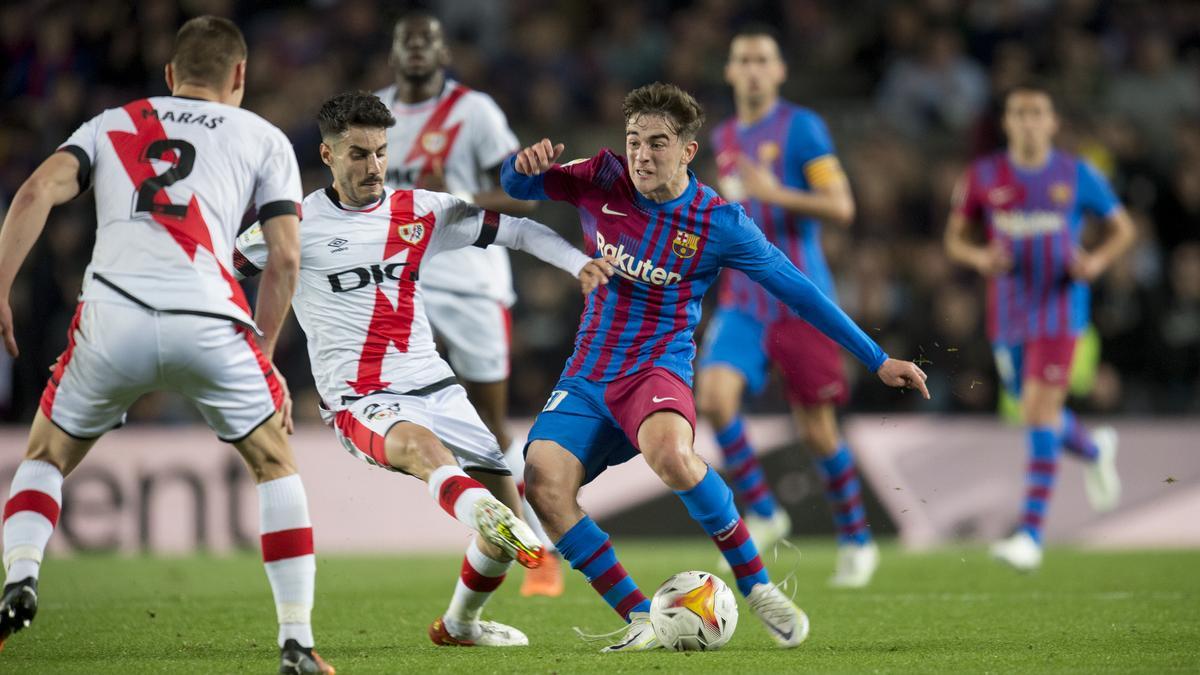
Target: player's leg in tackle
[
  {"x": 30, "y": 514},
  {"x": 483, "y": 570},
  {"x": 858, "y": 556},
  {"x": 719, "y": 390},
  {"x": 553, "y": 477},
  {"x": 415, "y": 450}
]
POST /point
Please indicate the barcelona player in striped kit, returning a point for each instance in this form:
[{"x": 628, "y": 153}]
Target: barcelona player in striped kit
[
  {"x": 777, "y": 160},
  {"x": 1031, "y": 200},
  {"x": 627, "y": 387}
]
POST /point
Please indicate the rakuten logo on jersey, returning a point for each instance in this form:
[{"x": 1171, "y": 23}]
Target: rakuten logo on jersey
[
  {"x": 635, "y": 270},
  {"x": 1024, "y": 224},
  {"x": 358, "y": 277}
]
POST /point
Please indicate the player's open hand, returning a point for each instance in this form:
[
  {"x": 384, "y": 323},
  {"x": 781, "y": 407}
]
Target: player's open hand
[
  {"x": 1085, "y": 266},
  {"x": 539, "y": 157},
  {"x": 994, "y": 260},
  {"x": 758, "y": 180},
  {"x": 596, "y": 273},
  {"x": 6, "y": 328},
  {"x": 434, "y": 179},
  {"x": 286, "y": 407},
  {"x": 906, "y": 374}
]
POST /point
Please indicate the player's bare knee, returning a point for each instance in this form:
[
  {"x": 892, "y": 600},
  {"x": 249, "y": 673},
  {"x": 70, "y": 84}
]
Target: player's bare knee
[
  {"x": 415, "y": 450},
  {"x": 267, "y": 453},
  {"x": 676, "y": 464}
]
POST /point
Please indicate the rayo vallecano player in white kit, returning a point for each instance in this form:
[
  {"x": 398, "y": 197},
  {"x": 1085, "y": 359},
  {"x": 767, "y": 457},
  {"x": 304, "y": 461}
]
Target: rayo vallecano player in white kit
[
  {"x": 450, "y": 138},
  {"x": 389, "y": 396},
  {"x": 160, "y": 308}
]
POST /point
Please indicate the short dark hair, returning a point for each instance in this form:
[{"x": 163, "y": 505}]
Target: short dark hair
[
  {"x": 353, "y": 109},
  {"x": 678, "y": 106},
  {"x": 758, "y": 29},
  {"x": 206, "y": 49},
  {"x": 1028, "y": 87}
]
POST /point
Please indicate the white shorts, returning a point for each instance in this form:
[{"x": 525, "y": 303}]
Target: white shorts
[
  {"x": 117, "y": 352},
  {"x": 476, "y": 331},
  {"x": 442, "y": 408}
]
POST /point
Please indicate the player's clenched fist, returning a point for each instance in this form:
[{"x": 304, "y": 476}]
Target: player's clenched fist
[
  {"x": 596, "y": 273},
  {"x": 538, "y": 158},
  {"x": 896, "y": 373}
]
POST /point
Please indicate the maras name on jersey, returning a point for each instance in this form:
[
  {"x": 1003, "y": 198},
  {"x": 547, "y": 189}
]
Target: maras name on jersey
[
  {"x": 639, "y": 270},
  {"x": 184, "y": 117}
]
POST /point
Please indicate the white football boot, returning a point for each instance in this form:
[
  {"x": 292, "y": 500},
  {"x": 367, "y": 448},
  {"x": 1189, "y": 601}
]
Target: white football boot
[
  {"x": 766, "y": 532},
  {"x": 787, "y": 623},
  {"x": 1019, "y": 551},
  {"x": 856, "y": 564},
  {"x": 638, "y": 636},
  {"x": 476, "y": 634},
  {"x": 1101, "y": 481},
  {"x": 499, "y": 526}
]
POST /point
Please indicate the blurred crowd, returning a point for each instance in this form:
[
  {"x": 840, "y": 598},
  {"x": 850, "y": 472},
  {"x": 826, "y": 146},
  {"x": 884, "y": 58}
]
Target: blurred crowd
[{"x": 909, "y": 90}]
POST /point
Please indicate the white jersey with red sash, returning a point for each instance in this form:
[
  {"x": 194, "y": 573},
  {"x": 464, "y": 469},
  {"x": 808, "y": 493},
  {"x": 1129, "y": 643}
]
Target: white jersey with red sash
[{"x": 465, "y": 133}]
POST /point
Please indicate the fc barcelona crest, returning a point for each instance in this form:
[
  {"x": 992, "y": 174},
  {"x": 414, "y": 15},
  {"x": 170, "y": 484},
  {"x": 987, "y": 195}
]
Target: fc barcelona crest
[
  {"x": 1060, "y": 193},
  {"x": 433, "y": 142},
  {"x": 412, "y": 233},
  {"x": 685, "y": 244}
]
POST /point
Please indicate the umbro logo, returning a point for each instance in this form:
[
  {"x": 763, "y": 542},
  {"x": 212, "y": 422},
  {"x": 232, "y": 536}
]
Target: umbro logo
[
  {"x": 338, "y": 245},
  {"x": 605, "y": 209}
]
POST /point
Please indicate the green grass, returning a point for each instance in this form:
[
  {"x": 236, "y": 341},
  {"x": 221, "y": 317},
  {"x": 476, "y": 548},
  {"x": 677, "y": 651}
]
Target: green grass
[{"x": 951, "y": 611}]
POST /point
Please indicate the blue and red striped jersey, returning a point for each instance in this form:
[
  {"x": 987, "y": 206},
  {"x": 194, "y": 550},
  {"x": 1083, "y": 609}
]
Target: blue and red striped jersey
[
  {"x": 794, "y": 142},
  {"x": 667, "y": 256},
  {"x": 1038, "y": 216}
]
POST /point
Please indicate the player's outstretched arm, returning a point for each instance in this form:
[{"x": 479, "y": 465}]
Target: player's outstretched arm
[
  {"x": 54, "y": 182},
  {"x": 543, "y": 243},
  {"x": 795, "y": 289}
]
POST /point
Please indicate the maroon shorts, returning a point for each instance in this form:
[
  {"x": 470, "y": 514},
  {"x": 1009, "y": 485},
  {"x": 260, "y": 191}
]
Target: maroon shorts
[
  {"x": 810, "y": 363},
  {"x": 633, "y": 398},
  {"x": 1049, "y": 359}
]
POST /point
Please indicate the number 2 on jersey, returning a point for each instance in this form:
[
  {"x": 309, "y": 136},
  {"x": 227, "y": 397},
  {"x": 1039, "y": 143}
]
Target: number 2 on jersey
[{"x": 185, "y": 158}]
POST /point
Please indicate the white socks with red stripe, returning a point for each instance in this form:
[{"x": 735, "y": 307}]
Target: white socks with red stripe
[
  {"x": 34, "y": 501},
  {"x": 287, "y": 548},
  {"x": 480, "y": 576},
  {"x": 457, "y": 493}
]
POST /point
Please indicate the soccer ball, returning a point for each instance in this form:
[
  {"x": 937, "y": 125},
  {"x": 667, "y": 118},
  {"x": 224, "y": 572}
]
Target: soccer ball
[{"x": 693, "y": 611}]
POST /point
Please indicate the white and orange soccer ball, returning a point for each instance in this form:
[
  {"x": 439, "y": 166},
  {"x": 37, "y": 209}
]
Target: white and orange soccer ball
[{"x": 693, "y": 611}]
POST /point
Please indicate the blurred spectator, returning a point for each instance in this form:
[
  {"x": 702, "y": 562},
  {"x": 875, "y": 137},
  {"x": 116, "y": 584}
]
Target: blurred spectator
[
  {"x": 942, "y": 90},
  {"x": 1124, "y": 74}
]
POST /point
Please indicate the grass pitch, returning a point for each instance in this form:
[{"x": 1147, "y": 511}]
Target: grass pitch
[{"x": 951, "y": 611}]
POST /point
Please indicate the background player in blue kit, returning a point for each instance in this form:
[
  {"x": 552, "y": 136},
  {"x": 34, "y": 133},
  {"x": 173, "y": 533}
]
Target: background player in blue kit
[
  {"x": 627, "y": 387},
  {"x": 777, "y": 160},
  {"x": 1031, "y": 199}
]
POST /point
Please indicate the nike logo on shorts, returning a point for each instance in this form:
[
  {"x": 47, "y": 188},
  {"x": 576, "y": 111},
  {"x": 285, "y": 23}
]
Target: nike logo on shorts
[
  {"x": 665, "y": 398},
  {"x": 605, "y": 209}
]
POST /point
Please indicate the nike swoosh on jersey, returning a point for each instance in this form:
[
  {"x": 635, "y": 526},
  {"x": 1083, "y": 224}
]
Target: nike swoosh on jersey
[
  {"x": 665, "y": 398},
  {"x": 605, "y": 209}
]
